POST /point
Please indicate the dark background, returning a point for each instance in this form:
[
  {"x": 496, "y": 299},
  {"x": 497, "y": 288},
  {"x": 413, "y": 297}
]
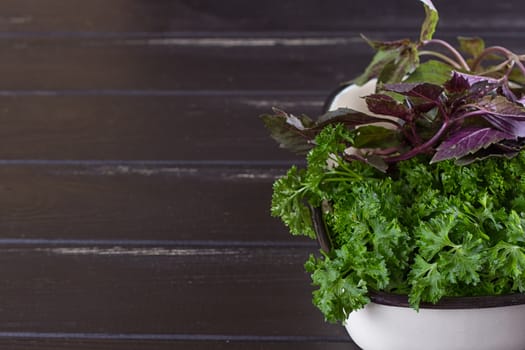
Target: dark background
[{"x": 135, "y": 176}]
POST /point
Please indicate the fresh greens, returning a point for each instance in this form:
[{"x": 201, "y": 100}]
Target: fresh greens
[
  {"x": 426, "y": 197},
  {"x": 427, "y": 230}
]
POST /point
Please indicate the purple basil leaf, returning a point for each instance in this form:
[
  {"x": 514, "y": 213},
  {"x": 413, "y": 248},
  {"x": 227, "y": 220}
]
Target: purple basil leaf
[
  {"x": 423, "y": 90},
  {"x": 503, "y": 114},
  {"x": 386, "y": 105},
  {"x": 507, "y": 125},
  {"x": 370, "y": 159},
  {"x": 473, "y": 79},
  {"x": 522, "y": 100},
  {"x": 495, "y": 150},
  {"x": 457, "y": 84},
  {"x": 298, "y": 133},
  {"x": 291, "y": 132},
  {"x": 507, "y": 92},
  {"x": 482, "y": 89},
  {"x": 468, "y": 141}
]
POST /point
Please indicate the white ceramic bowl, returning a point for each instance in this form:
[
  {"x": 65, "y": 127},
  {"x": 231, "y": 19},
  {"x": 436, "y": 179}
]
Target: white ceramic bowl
[
  {"x": 384, "y": 327},
  {"x": 350, "y": 96}
]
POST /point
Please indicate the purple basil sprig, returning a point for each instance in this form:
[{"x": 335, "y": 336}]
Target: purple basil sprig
[{"x": 448, "y": 107}]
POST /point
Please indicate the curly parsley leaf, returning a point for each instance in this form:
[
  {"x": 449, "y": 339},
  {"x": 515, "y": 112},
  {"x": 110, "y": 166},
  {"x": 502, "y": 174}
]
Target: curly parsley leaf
[
  {"x": 426, "y": 281},
  {"x": 288, "y": 203}
]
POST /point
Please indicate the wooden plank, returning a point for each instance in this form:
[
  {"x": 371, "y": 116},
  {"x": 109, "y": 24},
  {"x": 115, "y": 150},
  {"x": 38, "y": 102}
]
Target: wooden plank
[
  {"x": 187, "y": 63},
  {"x": 112, "y": 127},
  {"x": 44, "y": 344},
  {"x": 179, "y": 65},
  {"x": 117, "y": 202},
  {"x": 238, "y": 15},
  {"x": 155, "y": 293}
]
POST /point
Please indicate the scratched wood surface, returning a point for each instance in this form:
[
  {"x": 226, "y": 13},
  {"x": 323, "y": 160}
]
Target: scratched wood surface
[{"x": 135, "y": 176}]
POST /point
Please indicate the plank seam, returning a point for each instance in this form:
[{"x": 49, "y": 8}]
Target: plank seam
[
  {"x": 175, "y": 163},
  {"x": 173, "y": 337},
  {"x": 161, "y": 93},
  {"x": 42, "y": 242},
  {"x": 495, "y": 32}
]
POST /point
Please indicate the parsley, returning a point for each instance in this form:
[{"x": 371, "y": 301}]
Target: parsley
[{"x": 434, "y": 230}]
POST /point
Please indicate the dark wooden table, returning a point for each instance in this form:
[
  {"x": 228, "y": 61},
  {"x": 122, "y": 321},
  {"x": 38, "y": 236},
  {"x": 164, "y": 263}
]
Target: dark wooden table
[{"x": 135, "y": 176}]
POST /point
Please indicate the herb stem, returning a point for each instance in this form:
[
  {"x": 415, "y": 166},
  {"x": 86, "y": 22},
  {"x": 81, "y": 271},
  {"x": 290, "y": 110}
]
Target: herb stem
[
  {"x": 421, "y": 148},
  {"x": 454, "y": 52},
  {"x": 496, "y": 68},
  {"x": 502, "y": 51},
  {"x": 345, "y": 174},
  {"x": 472, "y": 114},
  {"x": 443, "y": 57},
  {"x": 348, "y": 170},
  {"x": 339, "y": 179}
]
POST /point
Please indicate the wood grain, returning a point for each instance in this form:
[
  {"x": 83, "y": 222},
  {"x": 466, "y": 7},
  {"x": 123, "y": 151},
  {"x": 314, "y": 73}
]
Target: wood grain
[
  {"x": 154, "y": 291},
  {"x": 149, "y": 65},
  {"x": 180, "y": 65},
  {"x": 236, "y": 15},
  {"x": 135, "y": 176},
  {"x": 45, "y": 344},
  {"x": 139, "y": 202},
  {"x": 130, "y": 127}
]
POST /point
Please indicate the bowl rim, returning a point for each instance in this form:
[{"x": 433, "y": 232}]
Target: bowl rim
[
  {"x": 467, "y": 302},
  {"x": 333, "y": 94}
]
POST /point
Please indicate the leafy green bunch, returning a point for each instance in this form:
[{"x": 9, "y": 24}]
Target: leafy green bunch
[
  {"x": 424, "y": 196},
  {"x": 426, "y": 231}
]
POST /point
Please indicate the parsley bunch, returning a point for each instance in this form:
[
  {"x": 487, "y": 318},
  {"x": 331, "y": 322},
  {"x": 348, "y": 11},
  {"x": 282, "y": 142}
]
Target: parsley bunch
[{"x": 426, "y": 231}]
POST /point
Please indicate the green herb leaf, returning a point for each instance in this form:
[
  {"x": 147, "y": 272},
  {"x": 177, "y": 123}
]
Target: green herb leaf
[
  {"x": 434, "y": 235},
  {"x": 507, "y": 263},
  {"x": 432, "y": 71},
  {"x": 405, "y": 63},
  {"x": 381, "y": 59},
  {"x": 472, "y": 46},
  {"x": 372, "y": 136},
  {"x": 426, "y": 281},
  {"x": 288, "y": 203},
  {"x": 463, "y": 263},
  {"x": 431, "y": 20}
]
